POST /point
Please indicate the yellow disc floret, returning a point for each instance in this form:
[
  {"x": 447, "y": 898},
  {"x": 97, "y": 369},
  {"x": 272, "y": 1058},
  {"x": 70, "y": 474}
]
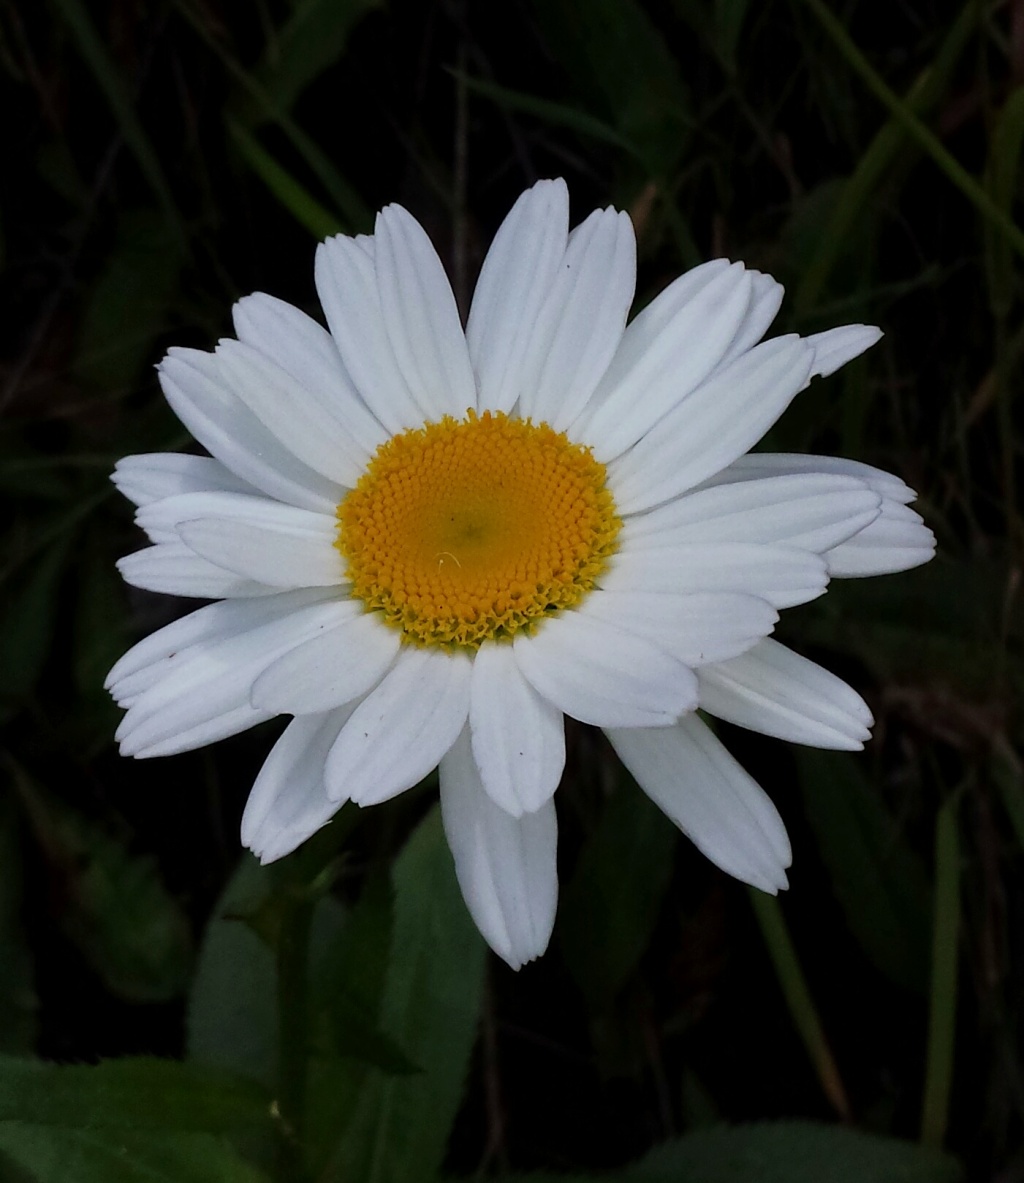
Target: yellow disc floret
[{"x": 469, "y": 530}]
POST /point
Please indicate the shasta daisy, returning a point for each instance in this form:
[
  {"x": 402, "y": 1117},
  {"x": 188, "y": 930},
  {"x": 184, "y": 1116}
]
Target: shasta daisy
[{"x": 428, "y": 545}]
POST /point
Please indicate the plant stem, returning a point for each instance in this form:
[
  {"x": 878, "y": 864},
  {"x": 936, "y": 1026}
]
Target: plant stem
[
  {"x": 942, "y": 1007},
  {"x": 798, "y": 998}
]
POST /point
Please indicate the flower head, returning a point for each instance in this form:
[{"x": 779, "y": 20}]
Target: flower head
[{"x": 429, "y": 545}]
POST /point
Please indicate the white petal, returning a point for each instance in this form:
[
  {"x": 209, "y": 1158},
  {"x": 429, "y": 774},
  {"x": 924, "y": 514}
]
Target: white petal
[
  {"x": 835, "y": 347},
  {"x": 698, "y": 628},
  {"x": 306, "y": 350},
  {"x": 205, "y": 695},
  {"x": 167, "y": 514},
  {"x": 505, "y": 866},
  {"x": 288, "y": 803},
  {"x": 155, "y": 475},
  {"x": 282, "y": 557},
  {"x": 519, "y": 270},
  {"x": 421, "y": 317},
  {"x": 193, "y": 384},
  {"x": 765, "y": 301},
  {"x": 224, "y": 711},
  {"x": 782, "y": 575},
  {"x": 603, "y": 675},
  {"x": 518, "y": 738},
  {"x": 775, "y": 691},
  {"x": 895, "y": 541},
  {"x": 764, "y": 464},
  {"x": 713, "y": 425},
  {"x": 663, "y": 358},
  {"x": 812, "y": 511},
  {"x": 726, "y": 814},
  {"x": 346, "y": 281},
  {"x": 650, "y": 324},
  {"x": 176, "y": 570},
  {"x": 400, "y": 731},
  {"x": 582, "y": 319},
  {"x": 155, "y": 656},
  {"x": 292, "y": 414},
  {"x": 348, "y": 660},
  {"x": 279, "y": 545}
]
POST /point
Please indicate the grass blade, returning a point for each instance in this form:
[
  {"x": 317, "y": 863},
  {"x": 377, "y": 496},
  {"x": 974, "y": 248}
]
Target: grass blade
[
  {"x": 109, "y": 81},
  {"x": 350, "y": 205},
  {"x": 292, "y": 194},
  {"x": 798, "y": 997},
  {"x": 875, "y": 164},
  {"x": 955, "y": 173},
  {"x": 556, "y": 114}
]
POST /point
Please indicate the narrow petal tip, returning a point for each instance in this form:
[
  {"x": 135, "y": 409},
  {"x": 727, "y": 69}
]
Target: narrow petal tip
[{"x": 835, "y": 347}]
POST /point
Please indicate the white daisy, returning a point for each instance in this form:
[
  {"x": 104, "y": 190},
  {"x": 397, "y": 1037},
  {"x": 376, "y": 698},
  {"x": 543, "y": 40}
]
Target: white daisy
[{"x": 429, "y": 544}]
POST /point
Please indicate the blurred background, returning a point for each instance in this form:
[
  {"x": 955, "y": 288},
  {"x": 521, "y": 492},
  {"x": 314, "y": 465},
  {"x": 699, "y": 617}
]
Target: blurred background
[{"x": 162, "y": 159}]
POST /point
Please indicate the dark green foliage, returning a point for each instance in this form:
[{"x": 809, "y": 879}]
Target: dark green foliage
[
  {"x": 879, "y": 881},
  {"x": 781, "y": 1152},
  {"x": 231, "y": 1016},
  {"x": 137, "y": 1094},
  {"x": 85, "y": 1156},
  {"x": 112, "y": 905},
  {"x": 611, "y": 904},
  {"x": 398, "y": 1123},
  {"x": 794, "y": 1152}
]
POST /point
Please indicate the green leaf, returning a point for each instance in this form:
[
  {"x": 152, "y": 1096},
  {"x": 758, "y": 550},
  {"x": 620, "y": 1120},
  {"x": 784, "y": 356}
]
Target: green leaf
[
  {"x": 232, "y": 1010},
  {"x": 793, "y": 1152},
  {"x": 347, "y": 994},
  {"x": 610, "y": 907},
  {"x": 114, "y": 906},
  {"x": 54, "y": 1155},
  {"x": 127, "y": 307},
  {"x": 232, "y": 1016},
  {"x": 548, "y": 1177},
  {"x": 349, "y": 984},
  {"x": 313, "y": 40},
  {"x": 880, "y": 883},
  {"x": 138, "y": 1093},
  {"x": 776, "y": 1152},
  {"x": 943, "y": 621},
  {"x": 729, "y": 16},
  {"x": 399, "y": 1128},
  {"x": 639, "y": 89}
]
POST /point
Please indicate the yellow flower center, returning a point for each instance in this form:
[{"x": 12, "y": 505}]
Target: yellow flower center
[{"x": 467, "y": 530}]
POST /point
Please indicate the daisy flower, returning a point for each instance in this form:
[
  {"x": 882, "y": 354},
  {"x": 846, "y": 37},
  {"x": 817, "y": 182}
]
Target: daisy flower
[{"x": 429, "y": 544}]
